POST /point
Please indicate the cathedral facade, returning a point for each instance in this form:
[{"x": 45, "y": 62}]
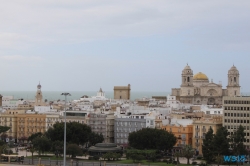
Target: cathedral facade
[{"x": 196, "y": 89}]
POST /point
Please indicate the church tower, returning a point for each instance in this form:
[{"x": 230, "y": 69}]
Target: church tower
[
  {"x": 233, "y": 87},
  {"x": 187, "y": 77},
  {"x": 39, "y": 96},
  {"x": 187, "y": 87}
]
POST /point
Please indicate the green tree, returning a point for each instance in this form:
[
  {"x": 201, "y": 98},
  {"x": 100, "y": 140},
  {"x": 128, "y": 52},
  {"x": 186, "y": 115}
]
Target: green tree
[
  {"x": 74, "y": 150},
  {"x": 32, "y": 150},
  {"x": 4, "y": 136},
  {"x": 4, "y": 129},
  {"x": 3, "y": 146},
  {"x": 77, "y": 133},
  {"x": 35, "y": 135},
  {"x": 57, "y": 147},
  {"x": 188, "y": 152},
  {"x": 237, "y": 142},
  {"x": 109, "y": 156},
  {"x": 137, "y": 157},
  {"x": 149, "y": 138},
  {"x": 134, "y": 153},
  {"x": 208, "y": 146},
  {"x": 177, "y": 155},
  {"x": 95, "y": 138},
  {"x": 221, "y": 144},
  {"x": 41, "y": 144}
]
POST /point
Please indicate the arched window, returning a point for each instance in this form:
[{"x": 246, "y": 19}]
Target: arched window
[{"x": 188, "y": 79}]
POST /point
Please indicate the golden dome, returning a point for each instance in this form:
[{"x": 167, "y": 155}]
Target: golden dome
[{"x": 200, "y": 76}]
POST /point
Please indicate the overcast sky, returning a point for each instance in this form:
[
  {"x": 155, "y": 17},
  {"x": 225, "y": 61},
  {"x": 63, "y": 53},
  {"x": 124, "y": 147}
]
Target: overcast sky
[{"x": 84, "y": 45}]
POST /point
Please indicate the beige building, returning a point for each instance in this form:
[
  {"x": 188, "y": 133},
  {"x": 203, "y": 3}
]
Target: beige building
[
  {"x": 196, "y": 89},
  {"x": 9, "y": 119},
  {"x": 201, "y": 127},
  {"x": 28, "y": 124},
  {"x": 122, "y": 92},
  {"x": 236, "y": 113},
  {"x": 74, "y": 116},
  {"x": 25, "y": 106}
]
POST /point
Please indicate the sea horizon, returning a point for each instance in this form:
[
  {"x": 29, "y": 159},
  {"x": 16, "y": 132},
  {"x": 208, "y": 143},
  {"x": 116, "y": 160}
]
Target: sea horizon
[{"x": 56, "y": 95}]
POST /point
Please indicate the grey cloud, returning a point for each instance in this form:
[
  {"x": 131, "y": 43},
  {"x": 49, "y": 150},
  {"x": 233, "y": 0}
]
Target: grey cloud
[{"x": 92, "y": 20}]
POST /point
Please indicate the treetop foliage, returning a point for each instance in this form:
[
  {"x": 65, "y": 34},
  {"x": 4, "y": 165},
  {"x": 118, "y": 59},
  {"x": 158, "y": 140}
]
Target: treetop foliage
[
  {"x": 217, "y": 145},
  {"x": 149, "y": 138},
  {"x": 4, "y": 129},
  {"x": 76, "y": 133}
]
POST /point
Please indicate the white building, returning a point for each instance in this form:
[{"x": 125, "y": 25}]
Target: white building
[
  {"x": 8, "y": 102},
  {"x": 211, "y": 110}
]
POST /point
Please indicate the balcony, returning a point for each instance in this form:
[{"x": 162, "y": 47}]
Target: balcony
[
  {"x": 203, "y": 137},
  {"x": 183, "y": 139},
  {"x": 204, "y": 130},
  {"x": 197, "y": 137},
  {"x": 197, "y": 144},
  {"x": 197, "y": 129}
]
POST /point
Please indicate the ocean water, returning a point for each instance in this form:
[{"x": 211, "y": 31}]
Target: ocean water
[{"x": 55, "y": 95}]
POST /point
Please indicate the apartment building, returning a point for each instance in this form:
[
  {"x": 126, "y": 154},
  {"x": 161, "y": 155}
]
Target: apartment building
[
  {"x": 127, "y": 124},
  {"x": 9, "y": 119},
  {"x": 74, "y": 116},
  {"x": 102, "y": 124},
  {"x": 183, "y": 132},
  {"x": 201, "y": 127},
  {"x": 236, "y": 113},
  {"x": 28, "y": 124},
  {"x": 51, "y": 119}
]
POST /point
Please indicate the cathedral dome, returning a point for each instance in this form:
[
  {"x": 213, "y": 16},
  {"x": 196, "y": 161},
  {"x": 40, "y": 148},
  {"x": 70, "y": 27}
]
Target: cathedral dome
[{"x": 200, "y": 76}]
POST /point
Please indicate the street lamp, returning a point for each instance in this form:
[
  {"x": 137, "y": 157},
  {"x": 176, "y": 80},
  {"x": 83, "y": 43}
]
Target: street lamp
[{"x": 64, "y": 150}]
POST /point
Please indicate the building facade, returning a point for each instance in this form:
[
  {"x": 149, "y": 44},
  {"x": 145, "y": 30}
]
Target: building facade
[
  {"x": 28, "y": 124},
  {"x": 196, "y": 89},
  {"x": 183, "y": 134},
  {"x": 124, "y": 126},
  {"x": 236, "y": 113},
  {"x": 102, "y": 124},
  {"x": 122, "y": 92},
  {"x": 201, "y": 127},
  {"x": 9, "y": 119}
]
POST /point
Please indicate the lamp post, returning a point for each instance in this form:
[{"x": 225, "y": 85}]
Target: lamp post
[{"x": 64, "y": 150}]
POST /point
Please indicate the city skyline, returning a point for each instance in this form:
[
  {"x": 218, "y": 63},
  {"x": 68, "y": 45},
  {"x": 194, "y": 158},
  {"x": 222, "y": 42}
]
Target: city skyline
[{"x": 82, "y": 46}]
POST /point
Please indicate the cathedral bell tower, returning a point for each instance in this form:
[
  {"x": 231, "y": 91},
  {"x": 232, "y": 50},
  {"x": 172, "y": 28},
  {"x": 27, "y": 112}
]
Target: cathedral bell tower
[
  {"x": 187, "y": 87},
  {"x": 233, "y": 87},
  {"x": 187, "y": 77}
]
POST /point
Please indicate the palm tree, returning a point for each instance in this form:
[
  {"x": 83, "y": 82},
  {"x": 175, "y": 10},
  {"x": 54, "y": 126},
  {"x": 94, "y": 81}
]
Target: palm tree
[
  {"x": 188, "y": 152},
  {"x": 177, "y": 155}
]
